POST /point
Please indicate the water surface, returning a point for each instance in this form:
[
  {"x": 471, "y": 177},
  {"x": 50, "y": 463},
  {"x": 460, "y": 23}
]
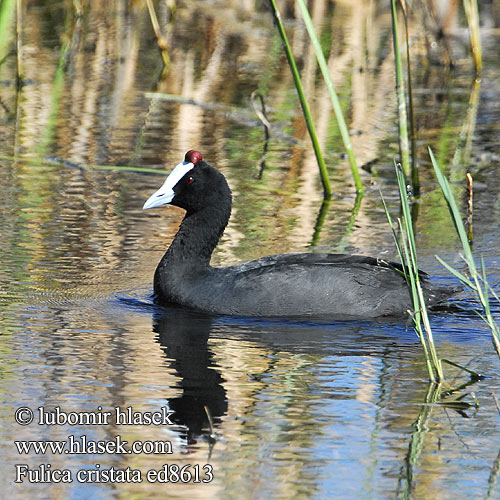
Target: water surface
[{"x": 300, "y": 408}]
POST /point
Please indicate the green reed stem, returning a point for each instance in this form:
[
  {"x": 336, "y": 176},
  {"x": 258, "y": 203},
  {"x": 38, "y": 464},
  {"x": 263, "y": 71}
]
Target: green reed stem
[
  {"x": 478, "y": 281},
  {"x": 344, "y": 132},
  {"x": 472, "y": 14},
  {"x": 408, "y": 256},
  {"x": 19, "y": 41},
  {"x": 413, "y": 136},
  {"x": 414, "y": 277},
  {"x": 400, "y": 92},
  {"x": 327, "y": 190},
  {"x": 412, "y": 288}
]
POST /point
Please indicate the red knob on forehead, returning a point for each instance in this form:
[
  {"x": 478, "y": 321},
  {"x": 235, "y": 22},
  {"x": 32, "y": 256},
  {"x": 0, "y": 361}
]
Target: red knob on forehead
[{"x": 193, "y": 156}]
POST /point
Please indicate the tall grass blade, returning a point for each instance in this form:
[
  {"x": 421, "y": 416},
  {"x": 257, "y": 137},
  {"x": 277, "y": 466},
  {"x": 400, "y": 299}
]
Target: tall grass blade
[
  {"x": 482, "y": 292},
  {"x": 418, "y": 304},
  {"x": 452, "y": 206},
  {"x": 327, "y": 190},
  {"x": 344, "y": 132},
  {"x": 417, "y": 314},
  {"x": 466, "y": 281},
  {"x": 408, "y": 255}
]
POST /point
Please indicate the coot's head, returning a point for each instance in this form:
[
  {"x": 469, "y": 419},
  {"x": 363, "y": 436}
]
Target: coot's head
[{"x": 192, "y": 185}]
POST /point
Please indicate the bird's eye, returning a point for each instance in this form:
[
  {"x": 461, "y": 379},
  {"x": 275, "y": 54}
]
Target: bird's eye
[{"x": 190, "y": 180}]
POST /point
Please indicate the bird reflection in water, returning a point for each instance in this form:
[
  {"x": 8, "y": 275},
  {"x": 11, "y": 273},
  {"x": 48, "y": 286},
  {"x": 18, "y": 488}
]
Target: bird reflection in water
[{"x": 183, "y": 336}]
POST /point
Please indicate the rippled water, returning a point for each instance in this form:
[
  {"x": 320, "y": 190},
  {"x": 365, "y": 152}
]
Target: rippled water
[{"x": 300, "y": 409}]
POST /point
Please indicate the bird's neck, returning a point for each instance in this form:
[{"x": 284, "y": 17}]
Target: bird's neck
[{"x": 198, "y": 235}]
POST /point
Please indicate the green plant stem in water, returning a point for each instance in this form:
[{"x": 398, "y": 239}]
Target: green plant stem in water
[
  {"x": 327, "y": 190},
  {"x": 408, "y": 256},
  {"x": 413, "y": 266},
  {"x": 417, "y": 314},
  {"x": 413, "y": 136},
  {"x": 478, "y": 281},
  {"x": 19, "y": 42},
  {"x": 400, "y": 92},
  {"x": 333, "y": 95}
]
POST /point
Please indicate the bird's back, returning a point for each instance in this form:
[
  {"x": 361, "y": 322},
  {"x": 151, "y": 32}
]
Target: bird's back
[{"x": 334, "y": 285}]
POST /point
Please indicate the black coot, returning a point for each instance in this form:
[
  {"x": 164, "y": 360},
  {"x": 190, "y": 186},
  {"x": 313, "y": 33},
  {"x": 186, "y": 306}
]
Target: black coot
[{"x": 340, "y": 286}]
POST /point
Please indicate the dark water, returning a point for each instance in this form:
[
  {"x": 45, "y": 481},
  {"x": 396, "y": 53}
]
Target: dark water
[{"x": 300, "y": 409}]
